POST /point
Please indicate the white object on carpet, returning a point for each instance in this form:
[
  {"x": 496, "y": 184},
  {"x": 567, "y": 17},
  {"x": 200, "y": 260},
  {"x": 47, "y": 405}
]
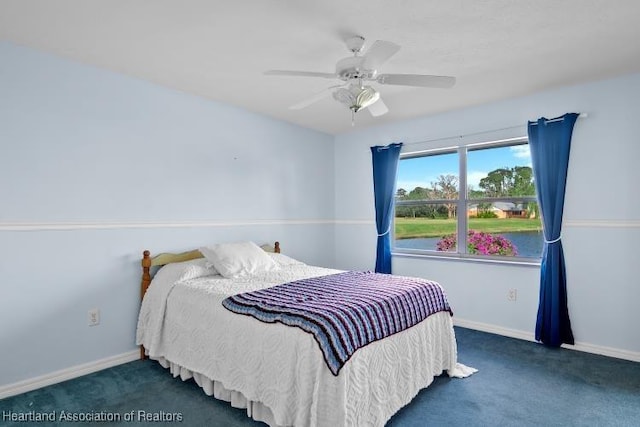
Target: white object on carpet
[{"x": 461, "y": 371}]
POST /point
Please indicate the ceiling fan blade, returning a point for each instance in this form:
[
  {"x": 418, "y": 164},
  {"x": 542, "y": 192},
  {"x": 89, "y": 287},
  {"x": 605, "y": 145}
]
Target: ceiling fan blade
[
  {"x": 313, "y": 99},
  {"x": 379, "y": 53},
  {"x": 420, "y": 80},
  {"x": 378, "y": 108},
  {"x": 299, "y": 74}
]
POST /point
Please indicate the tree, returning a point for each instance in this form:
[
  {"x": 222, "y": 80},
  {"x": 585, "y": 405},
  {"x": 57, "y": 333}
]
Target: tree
[
  {"x": 418, "y": 193},
  {"x": 422, "y": 211},
  {"x": 511, "y": 182},
  {"x": 523, "y": 181},
  {"x": 446, "y": 187},
  {"x": 505, "y": 182},
  {"x": 497, "y": 182}
]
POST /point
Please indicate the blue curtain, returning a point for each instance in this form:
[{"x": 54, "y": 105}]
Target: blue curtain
[
  {"x": 550, "y": 142},
  {"x": 385, "y": 167}
]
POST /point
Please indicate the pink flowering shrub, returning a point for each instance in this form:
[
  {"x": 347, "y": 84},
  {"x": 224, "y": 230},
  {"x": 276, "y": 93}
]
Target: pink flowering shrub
[{"x": 479, "y": 242}]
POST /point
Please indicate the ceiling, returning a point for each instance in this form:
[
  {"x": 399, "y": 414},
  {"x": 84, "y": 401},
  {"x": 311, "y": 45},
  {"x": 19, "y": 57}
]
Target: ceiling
[{"x": 219, "y": 49}]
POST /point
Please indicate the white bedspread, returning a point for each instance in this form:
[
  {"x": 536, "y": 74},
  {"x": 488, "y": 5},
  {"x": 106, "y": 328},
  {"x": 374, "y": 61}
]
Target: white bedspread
[{"x": 182, "y": 322}]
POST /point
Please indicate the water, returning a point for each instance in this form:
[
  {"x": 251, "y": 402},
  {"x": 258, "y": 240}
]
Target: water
[{"x": 528, "y": 243}]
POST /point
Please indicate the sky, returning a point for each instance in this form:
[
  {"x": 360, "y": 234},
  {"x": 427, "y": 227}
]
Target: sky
[{"x": 421, "y": 171}]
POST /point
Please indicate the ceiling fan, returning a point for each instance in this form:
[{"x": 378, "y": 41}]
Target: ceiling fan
[{"x": 356, "y": 71}]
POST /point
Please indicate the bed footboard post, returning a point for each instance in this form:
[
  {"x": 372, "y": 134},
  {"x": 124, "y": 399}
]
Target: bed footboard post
[
  {"x": 146, "y": 281},
  {"x": 276, "y": 247},
  {"x": 146, "y": 275}
]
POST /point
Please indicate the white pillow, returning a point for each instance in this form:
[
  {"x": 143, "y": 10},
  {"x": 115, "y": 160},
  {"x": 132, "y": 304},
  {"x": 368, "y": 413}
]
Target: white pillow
[
  {"x": 283, "y": 260},
  {"x": 233, "y": 260},
  {"x": 196, "y": 268},
  {"x": 176, "y": 272}
]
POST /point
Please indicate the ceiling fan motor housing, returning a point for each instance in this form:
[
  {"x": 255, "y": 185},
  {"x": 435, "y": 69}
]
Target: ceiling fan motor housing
[{"x": 352, "y": 68}]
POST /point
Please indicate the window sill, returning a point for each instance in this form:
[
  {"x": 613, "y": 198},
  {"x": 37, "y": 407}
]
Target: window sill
[{"x": 525, "y": 262}]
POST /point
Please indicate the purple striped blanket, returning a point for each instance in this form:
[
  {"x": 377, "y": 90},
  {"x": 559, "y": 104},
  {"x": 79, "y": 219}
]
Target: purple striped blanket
[{"x": 345, "y": 311}]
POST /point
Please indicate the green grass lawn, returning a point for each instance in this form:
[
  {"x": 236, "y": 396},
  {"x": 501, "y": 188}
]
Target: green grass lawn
[{"x": 408, "y": 228}]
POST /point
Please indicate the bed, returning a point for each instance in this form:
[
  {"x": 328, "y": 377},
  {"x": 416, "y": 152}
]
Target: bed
[{"x": 278, "y": 372}]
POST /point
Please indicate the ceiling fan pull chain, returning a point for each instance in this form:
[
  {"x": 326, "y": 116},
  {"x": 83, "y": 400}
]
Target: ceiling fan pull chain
[{"x": 353, "y": 117}]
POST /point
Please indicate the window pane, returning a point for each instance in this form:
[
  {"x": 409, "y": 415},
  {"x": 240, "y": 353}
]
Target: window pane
[
  {"x": 500, "y": 172},
  {"x": 424, "y": 226},
  {"x": 428, "y": 178},
  {"x": 502, "y": 216},
  {"x": 504, "y": 228}
]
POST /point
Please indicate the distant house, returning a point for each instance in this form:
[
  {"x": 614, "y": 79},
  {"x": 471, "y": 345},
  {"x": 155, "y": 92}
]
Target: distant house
[{"x": 503, "y": 210}]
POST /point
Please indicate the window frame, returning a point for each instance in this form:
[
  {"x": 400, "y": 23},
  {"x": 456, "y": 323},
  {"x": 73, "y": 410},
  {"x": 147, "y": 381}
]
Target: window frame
[{"x": 462, "y": 203}]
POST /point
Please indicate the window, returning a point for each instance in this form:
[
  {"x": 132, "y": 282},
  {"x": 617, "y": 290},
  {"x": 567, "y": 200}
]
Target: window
[{"x": 482, "y": 195}]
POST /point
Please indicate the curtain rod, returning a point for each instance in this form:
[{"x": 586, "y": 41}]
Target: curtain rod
[
  {"x": 559, "y": 119},
  {"x": 582, "y": 115}
]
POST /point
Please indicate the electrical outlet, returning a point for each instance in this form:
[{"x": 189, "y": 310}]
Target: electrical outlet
[
  {"x": 512, "y": 295},
  {"x": 93, "y": 317}
]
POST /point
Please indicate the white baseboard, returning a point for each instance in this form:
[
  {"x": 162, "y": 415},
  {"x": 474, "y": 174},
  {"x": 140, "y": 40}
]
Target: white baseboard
[
  {"x": 529, "y": 336},
  {"x": 633, "y": 356},
  {"x": 493, "y": 329},
  {"x": 67, "y": 374}
]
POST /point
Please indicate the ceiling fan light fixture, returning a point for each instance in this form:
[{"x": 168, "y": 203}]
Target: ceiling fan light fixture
[
  {"x": 366, "y": 97},
  {"x": 356, "y": 97}
]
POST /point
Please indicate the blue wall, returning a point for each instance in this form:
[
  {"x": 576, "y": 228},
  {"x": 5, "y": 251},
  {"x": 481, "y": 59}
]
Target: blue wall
[{"x": 97, "y": 166}]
